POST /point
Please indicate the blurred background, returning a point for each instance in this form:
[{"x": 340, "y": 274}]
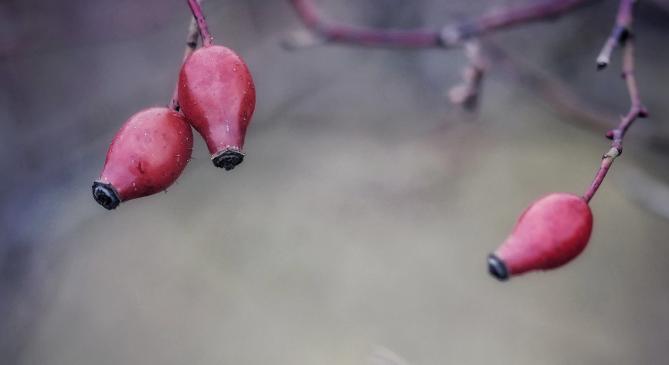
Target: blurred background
[{"x": 357, "y": 228}]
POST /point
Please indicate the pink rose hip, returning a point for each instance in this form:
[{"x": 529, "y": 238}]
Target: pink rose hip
[
  {"x": 146, "y": 156},
  {"x": 217, "y": 96},
  {"x": 551, "y": 232}
]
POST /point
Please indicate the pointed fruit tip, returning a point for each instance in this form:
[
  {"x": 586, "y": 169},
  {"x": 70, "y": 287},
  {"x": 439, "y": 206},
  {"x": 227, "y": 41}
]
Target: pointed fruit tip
[
  {"x": 105, "y": 195},
  {"x": 497, "y": 268},
  {"x": 228, "y": 159}
]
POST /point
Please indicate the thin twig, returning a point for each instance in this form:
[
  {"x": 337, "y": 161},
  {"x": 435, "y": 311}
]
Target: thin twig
[
  {"x": 207, "y": 38},
  {"x": 509, "y": 17},
  {"x": 637, "y": 110},
  {"x": 331, "y": 32},
  {"x": 619, "y": 34},
  {"x": 450, "y": 36},
  {"x": 467, "y": 93},
  {"x": 191, "y": 45}
]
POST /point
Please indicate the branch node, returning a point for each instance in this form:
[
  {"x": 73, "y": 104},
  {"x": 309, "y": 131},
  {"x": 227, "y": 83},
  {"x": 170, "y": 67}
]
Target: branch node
[
  {"x": 621, "y": 34},
  {"x": 450, "y": 36},
  {"x": 467, "y": 92},
  {"x": 613, "y": 153},
  {"x": 642, "y": 112}
]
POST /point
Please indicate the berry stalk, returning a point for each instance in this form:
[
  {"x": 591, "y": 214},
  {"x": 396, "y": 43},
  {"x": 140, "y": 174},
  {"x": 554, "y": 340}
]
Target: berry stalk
[
  {"x": 207, "y": 38},
  {"x": 191, "y": 45}
]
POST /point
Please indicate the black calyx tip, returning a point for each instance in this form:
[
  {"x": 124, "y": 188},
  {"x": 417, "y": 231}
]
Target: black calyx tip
[
  {"x": 105, "y": 195},
  {"x": 497, "y": 268},
  {"x": 601, "y": 65},
  {"x": 228, "y": 159}
]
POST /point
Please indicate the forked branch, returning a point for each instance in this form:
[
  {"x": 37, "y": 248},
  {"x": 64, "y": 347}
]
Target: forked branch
[
  {"x": 619, "y": 34},
  {"x": 637, "y": 110},
  {"x": 325, "y": 31},
  {"x": 191, "y": 45}
]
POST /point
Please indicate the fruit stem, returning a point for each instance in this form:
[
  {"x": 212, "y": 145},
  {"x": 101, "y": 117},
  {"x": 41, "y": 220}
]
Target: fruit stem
[
  {"x": 207, "y": 38},
  {"x": 191, "y": 45}
]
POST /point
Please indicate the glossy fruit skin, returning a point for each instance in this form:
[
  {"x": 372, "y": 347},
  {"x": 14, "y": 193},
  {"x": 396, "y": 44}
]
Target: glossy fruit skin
[
  {"x": 146, "y": 156},
  {"x": 217, "y": 96},
  {"x": 551, "y": 232}
]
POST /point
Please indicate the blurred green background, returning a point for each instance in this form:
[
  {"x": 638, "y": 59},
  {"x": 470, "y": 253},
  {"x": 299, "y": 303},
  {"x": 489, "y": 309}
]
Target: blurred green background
[{"x": 356, "y": 230}]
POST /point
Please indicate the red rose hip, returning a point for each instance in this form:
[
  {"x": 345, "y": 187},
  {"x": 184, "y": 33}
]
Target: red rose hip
[
  {"x": 551, "y": 232},
  {"x": 146, "y": 156},
  {"x": 217, "y": 96}
]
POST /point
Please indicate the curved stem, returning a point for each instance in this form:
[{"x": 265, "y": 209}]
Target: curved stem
[
  {"x": 191, "y": 45},
  {"x": 207, "y": 38}
]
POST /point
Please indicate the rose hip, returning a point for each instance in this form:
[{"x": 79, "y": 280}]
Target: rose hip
[
  {"x": 551, "y": 232},
  {"x": 217, "y": 96},
  {"x": 146, "y": 156}
]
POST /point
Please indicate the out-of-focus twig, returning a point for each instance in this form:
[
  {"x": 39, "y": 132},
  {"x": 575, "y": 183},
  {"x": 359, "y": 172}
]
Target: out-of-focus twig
[
  {"x": 637, "y": 110},
  {"x": 324, "y": 31},
  {"x": 467, "y": 93}
]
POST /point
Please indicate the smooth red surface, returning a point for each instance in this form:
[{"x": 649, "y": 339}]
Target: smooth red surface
[
  {"x": 551, "y": 232},
  {"x": 148, "y": 153},
  {"x": 217, "y": 96}
]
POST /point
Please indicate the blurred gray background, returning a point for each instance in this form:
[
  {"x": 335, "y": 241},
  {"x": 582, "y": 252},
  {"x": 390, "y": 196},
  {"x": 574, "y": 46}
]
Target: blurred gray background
[{"x": 357, "y": 228}]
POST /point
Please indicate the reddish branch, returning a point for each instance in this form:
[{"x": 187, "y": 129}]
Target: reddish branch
[
  {"x": 449, "y": 36},
  {"x": 455, "y": 35},
  {"x": 335, "y": 32},
  {"x": 191, "y": 45},
  {"x": 509, "y": 17},
  {"x": 207, "y": 38},
  {"x": 637, "y": 110}
]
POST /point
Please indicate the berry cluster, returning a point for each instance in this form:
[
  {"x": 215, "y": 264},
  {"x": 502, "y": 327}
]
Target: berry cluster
[{"x": 215, "y": 94}]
